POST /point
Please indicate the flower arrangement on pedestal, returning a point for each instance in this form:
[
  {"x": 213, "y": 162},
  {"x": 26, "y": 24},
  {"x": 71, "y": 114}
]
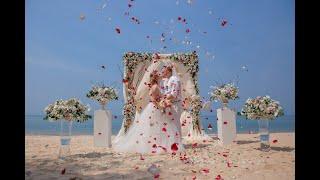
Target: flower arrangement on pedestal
[
  {"x": 224, "y": 93},
  {"x": 103, "y": 94},
  {"x": 263, "y": 109},
  {"x": 69, "y": 110}
]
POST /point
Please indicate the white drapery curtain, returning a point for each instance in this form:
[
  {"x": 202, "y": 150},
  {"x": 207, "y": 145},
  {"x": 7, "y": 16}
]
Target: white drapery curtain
[{"x": 142, "y": 75}]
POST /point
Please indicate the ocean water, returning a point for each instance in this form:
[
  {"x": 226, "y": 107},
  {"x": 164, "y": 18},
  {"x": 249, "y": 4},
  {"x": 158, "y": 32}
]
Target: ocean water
[{"x": 34, "y": 124}]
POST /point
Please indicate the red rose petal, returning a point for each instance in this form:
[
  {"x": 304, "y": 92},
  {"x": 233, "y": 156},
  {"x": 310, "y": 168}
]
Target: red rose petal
[
  {"x": 155, "y": 138},
  {"x": 129, "y": 5},
  {"x": 115, "y": 117},
  {"x": 205, "y": 170},
  {"x": 194, "y": 177},
  {"x": 224, "y": 155},
  {"x": 164, "y": 129},
  {"x": 179, "y": 18},
  {"x": 156, "y": 176},
  {"x": 170, "y": 113},
  {"x": 174, "y": 147},
  {"x": 228, "y": 164},
  {"x": 225, "y": 122},
  {"x": 218, "y": 177},
  {"x": 209, "y": 126},
  {"x": 118, "y": 30},
  {"x": 63, "y": 171},
  {"x": 141, "y": 158},
  {"x": 194, "y": 145},
  {"x": 224, "y": 22},
  {"x": 154, "y": 145},
  {"x": 275, "y": 141}
]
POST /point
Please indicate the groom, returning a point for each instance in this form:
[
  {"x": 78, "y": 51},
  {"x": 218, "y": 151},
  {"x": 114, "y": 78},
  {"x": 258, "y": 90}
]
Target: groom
[{"x": 171, "y": 89}]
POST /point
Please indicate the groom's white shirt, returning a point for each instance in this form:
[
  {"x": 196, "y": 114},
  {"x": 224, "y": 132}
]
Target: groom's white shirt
[{"x": 172, "y": 86}]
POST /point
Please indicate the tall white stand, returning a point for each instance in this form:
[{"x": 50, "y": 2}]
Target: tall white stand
[
  {"x": 102, "y": 128},
  {"x": 226, "y": 125}
]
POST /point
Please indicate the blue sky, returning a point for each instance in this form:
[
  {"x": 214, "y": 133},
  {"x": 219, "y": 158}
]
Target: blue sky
[{"x": 64, "y": 54}]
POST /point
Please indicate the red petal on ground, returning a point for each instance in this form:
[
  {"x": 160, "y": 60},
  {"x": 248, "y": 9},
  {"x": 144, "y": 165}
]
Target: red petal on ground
[
  {"x": 153, "y": 151},
  {"x": 194, "y": 177},
  {"x": 177, "y": 134},
  {"x": 194, "y": 145},
  {"x": 275, "y": 141},
  {"x": 205, "y": 170},
  {"x": 164, "y": 129},
  {"x": 63, "y": 171},
  {"x": 168, "y": 136},
  {"x": 228, "y": 164},
  {"x": 141, "y": 158},
  {"x": 136, "y": 167},
  {"x": 218, "y": 177},
  {"x": 174, "y": 147},
  {"x": 170, "y": 113},
  {"x": 224, "y": 155},
  {"x": 155, "y": 138},
  {"x": 156, "y": 176}
]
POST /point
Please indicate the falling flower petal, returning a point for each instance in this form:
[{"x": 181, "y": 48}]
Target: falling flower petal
[
  {"x": 275, "y": 141},
  {"x": 224, "y": 23},
  {"x": 174, "y": 147},
  {"x": 209, "y": 126},
  {"x": 118, "y": 30},
  {"x": 225, "y": 122},
  {"x": 164, "y": 129}
]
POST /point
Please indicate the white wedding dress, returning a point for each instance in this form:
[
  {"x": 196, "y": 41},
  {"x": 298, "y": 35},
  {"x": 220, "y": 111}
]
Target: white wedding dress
[{"x": 152, "y": 132}]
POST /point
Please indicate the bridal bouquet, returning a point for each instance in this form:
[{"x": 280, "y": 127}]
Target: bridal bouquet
[
  {"x": 262, "y": 108},
  {"x": 71, "y": 109},
  {"x": 103, "y": 94},
  {"x": 224, "y": 93}
]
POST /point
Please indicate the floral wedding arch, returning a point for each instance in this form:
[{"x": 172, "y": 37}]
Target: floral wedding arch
[{"x": 136, "y": 68}]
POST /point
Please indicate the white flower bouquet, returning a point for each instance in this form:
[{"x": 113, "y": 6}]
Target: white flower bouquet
[
  {"x": 224, "y": 93},
  {"x": 103, "y": 94},
  {"x": 71, "y": 109},
  {"x": 262, "y": 108}
]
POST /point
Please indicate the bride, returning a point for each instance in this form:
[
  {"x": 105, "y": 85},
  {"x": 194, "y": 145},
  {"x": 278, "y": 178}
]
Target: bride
[{"x": 152, "y": 131}]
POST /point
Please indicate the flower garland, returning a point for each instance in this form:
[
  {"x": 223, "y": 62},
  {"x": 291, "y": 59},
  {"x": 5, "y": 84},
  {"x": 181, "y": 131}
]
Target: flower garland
[
  {"x": 132, "y": 59},
  {"x": 196, "y": 106},
  {"x": 262, "y": 108},
  {"x": 71, "y": 109}
]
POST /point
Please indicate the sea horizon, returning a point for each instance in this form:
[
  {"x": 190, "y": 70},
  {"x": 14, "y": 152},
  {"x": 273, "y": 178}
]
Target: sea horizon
[{"x": 35, "y": 125}]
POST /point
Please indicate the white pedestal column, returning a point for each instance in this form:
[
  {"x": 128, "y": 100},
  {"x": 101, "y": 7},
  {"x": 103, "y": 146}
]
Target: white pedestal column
[
  {"x": 226, "y": 125},
  {"x": 102, "y": 128}
]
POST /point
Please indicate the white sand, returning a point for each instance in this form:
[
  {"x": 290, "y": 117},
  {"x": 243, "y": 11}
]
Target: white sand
[{"x": 89, "y": 162}]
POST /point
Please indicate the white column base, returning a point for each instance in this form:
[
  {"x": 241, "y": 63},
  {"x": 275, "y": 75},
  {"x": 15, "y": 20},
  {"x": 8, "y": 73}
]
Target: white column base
[
  {"x": 102, "y": 128},
  {"x": 226, "y": 125}
]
